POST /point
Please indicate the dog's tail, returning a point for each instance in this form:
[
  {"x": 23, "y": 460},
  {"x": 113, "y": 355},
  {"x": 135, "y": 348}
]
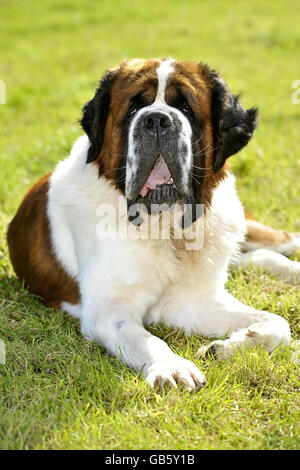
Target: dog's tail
[{"x": 262, "y": 236}]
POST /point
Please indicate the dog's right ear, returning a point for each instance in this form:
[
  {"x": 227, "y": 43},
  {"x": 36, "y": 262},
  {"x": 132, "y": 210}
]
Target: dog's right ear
[{"x": 95, "y": 114}]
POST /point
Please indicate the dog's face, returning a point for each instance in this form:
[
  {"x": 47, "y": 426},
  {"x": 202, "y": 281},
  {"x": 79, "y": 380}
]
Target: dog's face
[{"x": 162, "y": 130}]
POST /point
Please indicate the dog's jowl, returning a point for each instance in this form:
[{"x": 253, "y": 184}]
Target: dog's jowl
[{"x": 142, "y": 221}]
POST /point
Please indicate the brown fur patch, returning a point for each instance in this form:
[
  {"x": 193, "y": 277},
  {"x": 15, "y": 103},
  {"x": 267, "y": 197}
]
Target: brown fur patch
[
  {"x": 264, "y": 235},
  {"x": 31, "y": 252},
  {"x": 131, "y": 78}
]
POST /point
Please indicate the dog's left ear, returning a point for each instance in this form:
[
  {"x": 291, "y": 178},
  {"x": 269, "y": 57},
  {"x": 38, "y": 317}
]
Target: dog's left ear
[
  {"x": 233, "y": 126},
  {"x": 95, "y": 114}
]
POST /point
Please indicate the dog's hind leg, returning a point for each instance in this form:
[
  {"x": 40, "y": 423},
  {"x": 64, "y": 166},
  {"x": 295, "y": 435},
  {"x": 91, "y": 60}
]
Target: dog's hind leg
[
  {"x": 261, "y": 236},
  {"x": 265, "y": 247},
  {"x": 273, "y": 262}
]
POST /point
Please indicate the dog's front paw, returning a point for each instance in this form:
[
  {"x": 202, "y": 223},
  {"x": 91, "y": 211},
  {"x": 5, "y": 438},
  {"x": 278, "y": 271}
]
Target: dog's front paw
[{"x": 170, "y": 372}]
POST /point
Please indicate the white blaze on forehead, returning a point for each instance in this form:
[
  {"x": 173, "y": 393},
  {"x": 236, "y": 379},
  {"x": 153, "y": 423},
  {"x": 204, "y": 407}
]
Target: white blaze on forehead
[{"x": 163, "y": 72}]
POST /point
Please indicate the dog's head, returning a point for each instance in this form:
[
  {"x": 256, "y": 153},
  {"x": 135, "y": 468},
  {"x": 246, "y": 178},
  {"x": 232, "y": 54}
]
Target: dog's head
[{"x": 162, "y": 130}]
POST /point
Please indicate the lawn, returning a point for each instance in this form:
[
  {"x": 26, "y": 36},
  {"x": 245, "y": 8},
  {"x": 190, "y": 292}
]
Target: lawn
[{"x": 57, "y": 391}]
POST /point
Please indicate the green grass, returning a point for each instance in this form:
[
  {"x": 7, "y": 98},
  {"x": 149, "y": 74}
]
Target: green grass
[{"x": 59, "y": 391}]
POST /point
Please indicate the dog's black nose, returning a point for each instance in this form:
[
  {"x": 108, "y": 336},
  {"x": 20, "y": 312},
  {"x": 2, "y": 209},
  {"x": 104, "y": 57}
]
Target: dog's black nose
[{"x": 157, "y": 123}]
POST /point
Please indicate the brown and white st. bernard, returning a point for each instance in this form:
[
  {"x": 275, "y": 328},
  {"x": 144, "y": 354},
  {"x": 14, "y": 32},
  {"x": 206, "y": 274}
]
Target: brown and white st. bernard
[{"x": 157, "y": 136}]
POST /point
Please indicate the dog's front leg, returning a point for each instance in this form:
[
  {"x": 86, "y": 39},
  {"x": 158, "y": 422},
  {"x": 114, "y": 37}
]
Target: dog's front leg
[
  {"x": 218, "y": 315},
  {"x": 117, "y": 325}
]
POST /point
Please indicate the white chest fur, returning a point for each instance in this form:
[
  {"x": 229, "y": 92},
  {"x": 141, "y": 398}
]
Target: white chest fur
[{"x": 75, "y": 195}]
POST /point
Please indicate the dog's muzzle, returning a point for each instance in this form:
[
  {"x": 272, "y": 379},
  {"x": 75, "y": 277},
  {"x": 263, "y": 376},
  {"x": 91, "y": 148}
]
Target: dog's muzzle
[
  {"x": 157, "y": 132},
  {"x": 159, "y": 158}
]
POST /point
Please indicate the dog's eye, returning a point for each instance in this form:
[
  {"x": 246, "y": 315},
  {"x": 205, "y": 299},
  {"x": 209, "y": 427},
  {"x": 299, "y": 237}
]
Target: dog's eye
[
  {"x": 132, "y": 110},
  {"x": 181, "y": 103},
  {"x": 185, "y": 108},
  {"x": 136, "y": 103}
]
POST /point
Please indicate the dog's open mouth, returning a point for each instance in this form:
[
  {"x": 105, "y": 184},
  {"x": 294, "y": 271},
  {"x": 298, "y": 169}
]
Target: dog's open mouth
[{"x": 159, "y": 185}]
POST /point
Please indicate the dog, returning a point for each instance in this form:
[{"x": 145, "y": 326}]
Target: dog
[{"x": 157, "y": 133}]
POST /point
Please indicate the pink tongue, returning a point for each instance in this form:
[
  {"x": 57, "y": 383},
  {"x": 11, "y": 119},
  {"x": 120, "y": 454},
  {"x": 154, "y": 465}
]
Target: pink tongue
[{"x": 159, "y": 175}]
